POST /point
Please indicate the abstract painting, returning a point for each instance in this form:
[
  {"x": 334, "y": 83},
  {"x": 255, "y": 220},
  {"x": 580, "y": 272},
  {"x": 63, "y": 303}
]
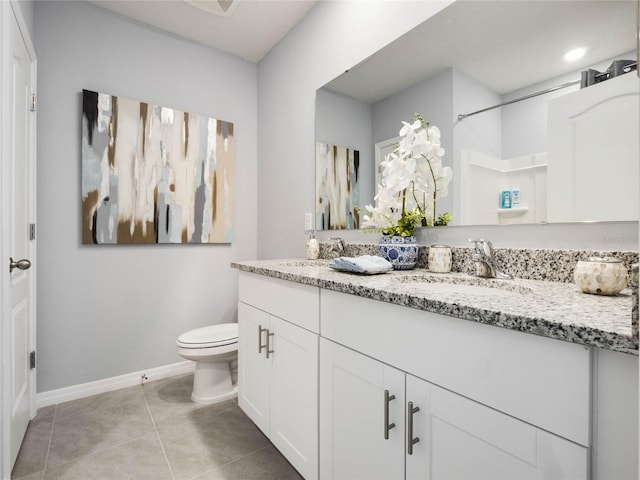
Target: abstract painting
[
  {"x": 337, "y": 188},
  {"x": 154, "y": 174}
]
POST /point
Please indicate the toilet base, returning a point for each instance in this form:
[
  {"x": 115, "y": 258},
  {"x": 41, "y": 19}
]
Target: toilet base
[
  {"x": 217, "y": 399},
  {"x": 212, "y": 382}
]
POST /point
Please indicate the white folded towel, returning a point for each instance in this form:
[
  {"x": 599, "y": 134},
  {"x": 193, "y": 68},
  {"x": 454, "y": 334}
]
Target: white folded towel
[{"x": 362, "y": 264}]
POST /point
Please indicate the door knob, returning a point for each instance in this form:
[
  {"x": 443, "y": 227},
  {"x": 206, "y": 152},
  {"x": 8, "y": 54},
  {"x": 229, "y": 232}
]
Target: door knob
[{"x": 23, "y": 264}]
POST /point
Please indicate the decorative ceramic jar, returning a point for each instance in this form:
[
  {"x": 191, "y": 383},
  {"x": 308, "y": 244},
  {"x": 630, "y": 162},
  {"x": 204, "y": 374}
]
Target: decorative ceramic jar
[
  {"x": 313, "y": 249},
  {"x": 439, "y": 259},
  {"x": 402, "y": 252},
  {"x": 601, "y": 275}
]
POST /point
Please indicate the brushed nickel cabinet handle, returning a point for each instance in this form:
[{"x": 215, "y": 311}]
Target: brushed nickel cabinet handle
[
  {"x": 387, "y": 426},
  {"x": 269, "y": 335},
  {"x": 410, "y": 440},
  {"x": 260, "y": 345}
]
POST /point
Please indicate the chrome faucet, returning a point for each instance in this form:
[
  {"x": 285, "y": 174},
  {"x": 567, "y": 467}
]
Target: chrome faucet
[
  {"x": 337, "y": 245},
  {"x": 485, "y": 261}
]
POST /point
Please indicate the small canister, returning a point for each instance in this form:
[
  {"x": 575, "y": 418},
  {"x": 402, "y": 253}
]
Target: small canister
[
  {"x": 601, "y": 275},
  {"x": 439, "y": 259},
  {"x": 313, "y": 249}
]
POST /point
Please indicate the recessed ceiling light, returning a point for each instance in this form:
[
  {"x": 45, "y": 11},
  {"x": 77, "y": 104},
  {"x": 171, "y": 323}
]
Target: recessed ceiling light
[{"x": 575, "y": 54}]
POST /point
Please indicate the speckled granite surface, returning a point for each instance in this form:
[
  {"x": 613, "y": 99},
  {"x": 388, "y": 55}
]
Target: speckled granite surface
[
  {"x": 553, "y": 309},
  {"x": 633, "y": 284},
  {"x": 534, "y": 264}
]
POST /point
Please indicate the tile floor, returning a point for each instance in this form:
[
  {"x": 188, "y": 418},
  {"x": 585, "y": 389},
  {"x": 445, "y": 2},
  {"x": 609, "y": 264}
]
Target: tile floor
[{"x": 153, "y": 432}]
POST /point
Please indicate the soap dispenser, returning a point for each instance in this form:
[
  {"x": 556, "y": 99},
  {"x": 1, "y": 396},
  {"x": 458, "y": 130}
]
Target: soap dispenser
[{"x": 313, "y": 247}]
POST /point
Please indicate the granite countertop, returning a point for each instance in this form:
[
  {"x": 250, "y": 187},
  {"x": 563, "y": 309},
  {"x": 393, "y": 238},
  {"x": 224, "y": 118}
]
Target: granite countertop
[{"x": 552, "y": 309}]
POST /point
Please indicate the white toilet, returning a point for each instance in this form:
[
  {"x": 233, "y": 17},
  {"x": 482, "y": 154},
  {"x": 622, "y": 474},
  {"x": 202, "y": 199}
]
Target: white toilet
[{"x": 215, "y": 351}]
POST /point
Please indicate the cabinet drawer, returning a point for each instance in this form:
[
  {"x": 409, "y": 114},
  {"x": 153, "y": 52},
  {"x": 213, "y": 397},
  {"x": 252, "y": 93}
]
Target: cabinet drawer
[
  {"x": 294, "y": 302},
  {"x": 542, "y": 381}
]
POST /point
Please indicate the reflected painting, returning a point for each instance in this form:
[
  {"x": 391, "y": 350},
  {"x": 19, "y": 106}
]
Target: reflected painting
[
  {"x": 337, "y": 189},
  {"x": 153, "y": 174}
]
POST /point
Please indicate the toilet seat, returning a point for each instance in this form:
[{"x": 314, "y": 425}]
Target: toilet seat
[{"x": 213, "y": 336}]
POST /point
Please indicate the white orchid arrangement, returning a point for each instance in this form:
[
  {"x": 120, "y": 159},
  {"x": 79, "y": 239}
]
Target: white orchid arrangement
[{"x": 413, "y": 179}]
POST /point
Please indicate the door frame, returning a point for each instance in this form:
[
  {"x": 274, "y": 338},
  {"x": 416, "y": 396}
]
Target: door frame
[{"x": 9, "y": 12}]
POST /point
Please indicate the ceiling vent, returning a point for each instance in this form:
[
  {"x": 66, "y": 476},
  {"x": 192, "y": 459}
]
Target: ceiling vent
[{"x": 217, "y": 7}]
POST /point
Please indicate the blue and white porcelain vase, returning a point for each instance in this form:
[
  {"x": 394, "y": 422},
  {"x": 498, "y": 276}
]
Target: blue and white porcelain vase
[{"x": 402, "y": 252}]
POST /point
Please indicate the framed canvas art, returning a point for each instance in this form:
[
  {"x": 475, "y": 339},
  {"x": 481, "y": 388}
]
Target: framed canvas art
[
  {"x": 153, "y": 174},
  {"x": 337, "y": 187}
]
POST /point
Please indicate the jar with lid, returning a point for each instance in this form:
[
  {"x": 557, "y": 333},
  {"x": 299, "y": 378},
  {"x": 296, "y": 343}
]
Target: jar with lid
[{"x": 439, "y": 259}]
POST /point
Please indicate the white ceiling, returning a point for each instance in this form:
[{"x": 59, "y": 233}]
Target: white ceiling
[
  {"x": 504, "y": 45},
  {"x": 249, "y": 30}
]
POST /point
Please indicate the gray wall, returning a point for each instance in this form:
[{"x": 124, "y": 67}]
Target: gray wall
[
  {"x": 332, "y": 37},
  {"x": 110, "y": 310},
  {"x": 433, "y": 100},
  {"x": 346, "y": 122}
]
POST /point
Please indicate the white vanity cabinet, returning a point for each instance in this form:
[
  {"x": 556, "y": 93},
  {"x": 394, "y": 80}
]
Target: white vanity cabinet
[
  {"x": 493, "y": 406},
  {"x": 322, "y": 373},
  {"x": 379, "y": 422},
  {"x": 463, "y": 439},
  {"x": 278, "y": 365},
  {"x": 352, "y": 416}
]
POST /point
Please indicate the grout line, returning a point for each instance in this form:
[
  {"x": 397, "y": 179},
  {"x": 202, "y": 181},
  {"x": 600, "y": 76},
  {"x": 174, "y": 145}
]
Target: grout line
[
  {"x": 98, "y": 452},
  {"x": 155, "y": 428},
  {"x": 73, "y": 460},
  {"x": 234, "y": 461},
  {"x": 53, "y": 425}
]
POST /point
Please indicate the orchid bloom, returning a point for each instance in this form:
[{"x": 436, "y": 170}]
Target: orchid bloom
[{"x": 413, "y": 178}]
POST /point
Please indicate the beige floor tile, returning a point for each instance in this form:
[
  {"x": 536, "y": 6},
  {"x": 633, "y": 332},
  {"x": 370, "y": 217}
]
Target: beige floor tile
[
  {"x": 86, "y": 433},
  {"x": 265, "y": 464},
  {"x": 98, "y": 402},
  {"x": 33, "y": 451},
  {"x": 203, "y": 440},
  {"x": 32, "y": 476},
  {"x": 170, "y": 397},
  {"x": 140, "y": 459},
  {"x": 112, "y": 436}
]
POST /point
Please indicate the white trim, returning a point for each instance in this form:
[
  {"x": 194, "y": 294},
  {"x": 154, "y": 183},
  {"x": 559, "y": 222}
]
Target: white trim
[
  {"x": 379, "y": 155},
  {"x": 22, "y": 25},
  {"x": 5, "y": 412},
  {"x": 53, "y": 397}
]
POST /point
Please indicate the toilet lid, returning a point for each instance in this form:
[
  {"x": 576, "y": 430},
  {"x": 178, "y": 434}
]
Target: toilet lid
[{"x": 211, "y": 336}]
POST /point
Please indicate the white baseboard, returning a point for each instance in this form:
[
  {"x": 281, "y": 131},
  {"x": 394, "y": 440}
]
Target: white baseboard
[{"x": 53, "y": 397}]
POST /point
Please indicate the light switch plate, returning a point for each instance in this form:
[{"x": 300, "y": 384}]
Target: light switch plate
[{"x": 308, "y": 221}]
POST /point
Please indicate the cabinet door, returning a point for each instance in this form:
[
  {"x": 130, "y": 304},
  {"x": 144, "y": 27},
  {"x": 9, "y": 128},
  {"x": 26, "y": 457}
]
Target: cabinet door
[
  {"x": 461, "y": 439},
  {"x": 352, "y": 416},
  {"x": 253, "y": 366},
  {"x": 294, "y": 395}
]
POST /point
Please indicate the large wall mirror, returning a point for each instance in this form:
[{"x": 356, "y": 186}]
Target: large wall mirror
[{"x": 570, "y": 150}]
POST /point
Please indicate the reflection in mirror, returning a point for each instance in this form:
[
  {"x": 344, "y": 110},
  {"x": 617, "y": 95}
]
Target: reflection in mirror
[{"x": 566, "y": 155}]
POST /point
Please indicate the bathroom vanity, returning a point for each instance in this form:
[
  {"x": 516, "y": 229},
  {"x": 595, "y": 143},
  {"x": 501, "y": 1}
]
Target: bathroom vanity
[{"x": 395, "y": 375}]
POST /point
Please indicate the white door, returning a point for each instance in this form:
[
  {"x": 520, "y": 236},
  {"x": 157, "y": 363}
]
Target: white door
[
  {"x": 18, "y": 211},
  {"x": 253, "y": 366},
  {"x": 294, "y": 395},
  {"x": 361, "y": 416}
]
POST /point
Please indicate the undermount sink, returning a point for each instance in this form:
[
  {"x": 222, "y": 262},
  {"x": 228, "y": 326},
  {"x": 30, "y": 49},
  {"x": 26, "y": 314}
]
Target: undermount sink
[{"x": 463, "y": 285}]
